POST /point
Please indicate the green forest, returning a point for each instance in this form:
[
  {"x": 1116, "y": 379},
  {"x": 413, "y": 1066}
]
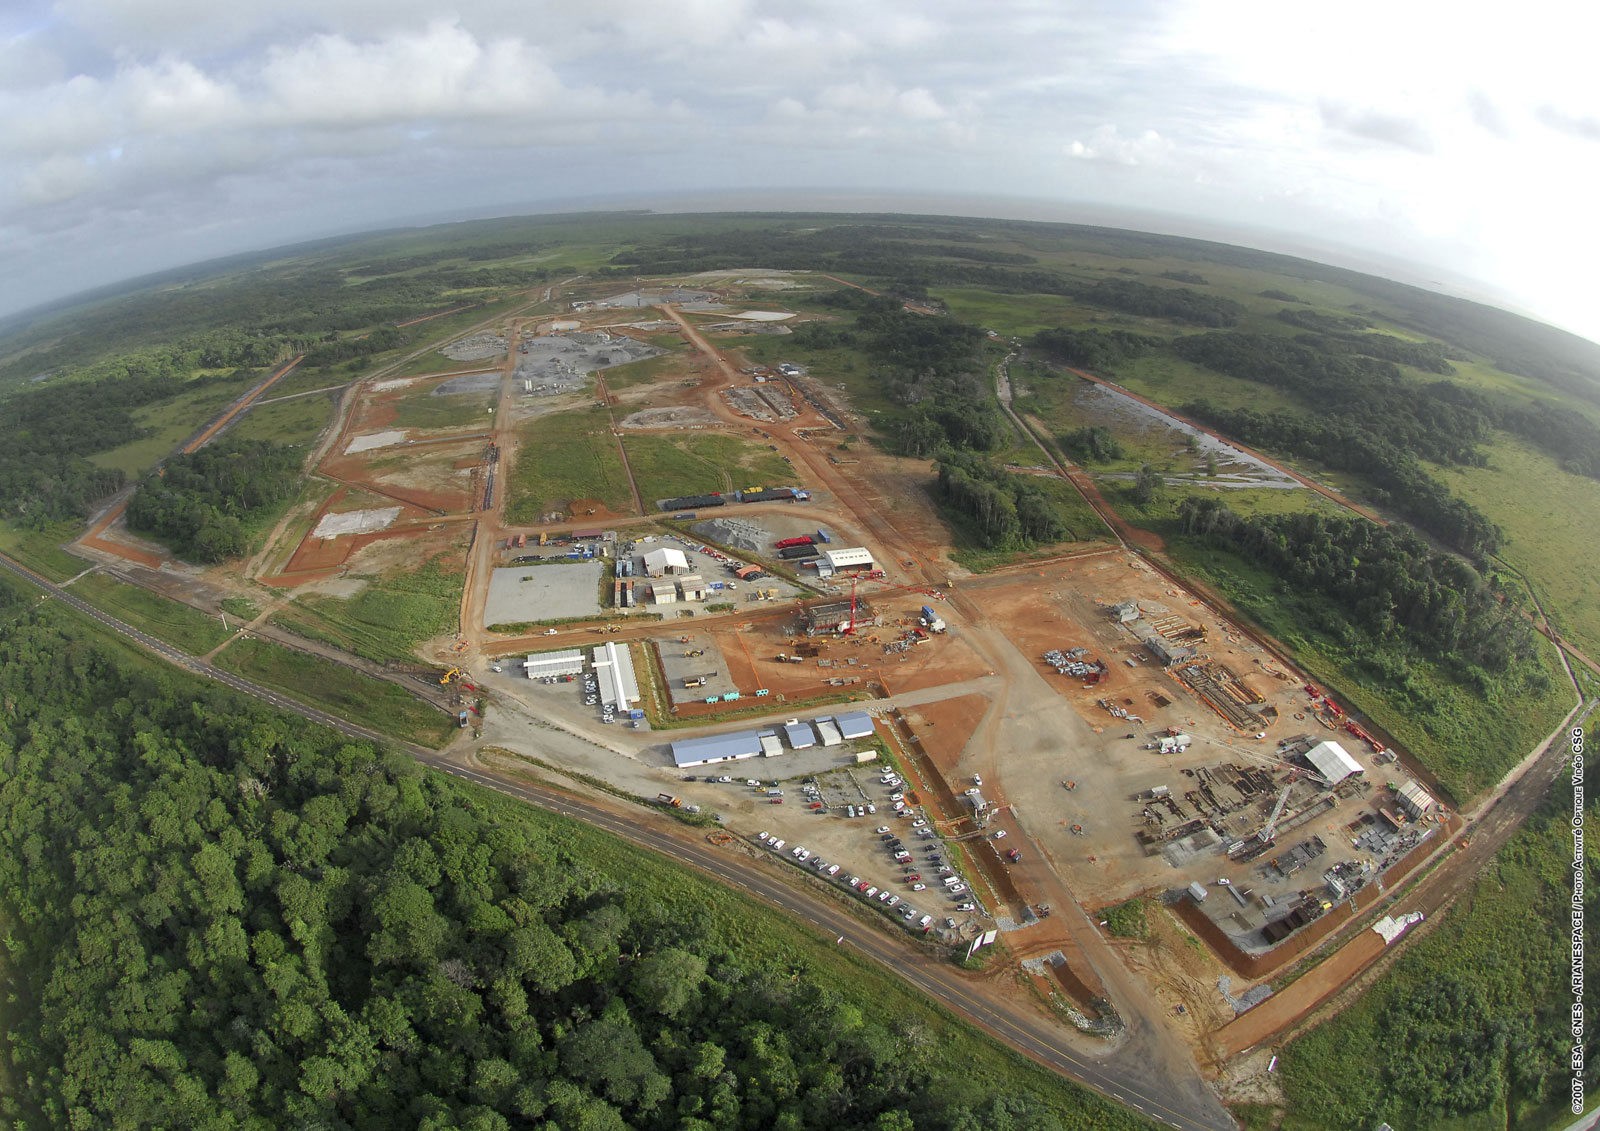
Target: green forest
[
  {"x": 206, "y": 504},
  {"x": 219, "y": 917}
]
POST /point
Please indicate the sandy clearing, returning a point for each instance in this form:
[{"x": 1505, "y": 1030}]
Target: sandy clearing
[
  {"x": 765, "y": 315},
  {"x": 374, "y": 440},
  {"x": 394, "y": 383},
  {"x": 355, "y": 522}
]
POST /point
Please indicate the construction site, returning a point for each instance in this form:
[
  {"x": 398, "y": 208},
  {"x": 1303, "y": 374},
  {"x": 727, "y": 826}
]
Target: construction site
[{"x": 1043, "y": 741}]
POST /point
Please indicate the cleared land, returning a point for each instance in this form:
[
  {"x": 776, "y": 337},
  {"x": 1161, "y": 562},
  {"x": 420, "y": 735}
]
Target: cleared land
[{"x": 562, "y": 457}]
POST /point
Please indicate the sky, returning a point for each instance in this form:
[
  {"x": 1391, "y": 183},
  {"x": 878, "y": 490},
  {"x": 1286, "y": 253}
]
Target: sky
[{"x": 1461, "y": 139}]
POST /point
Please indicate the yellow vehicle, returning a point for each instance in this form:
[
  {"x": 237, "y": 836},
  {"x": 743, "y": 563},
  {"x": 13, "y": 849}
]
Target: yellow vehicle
[{"x": 453, "y": 673}]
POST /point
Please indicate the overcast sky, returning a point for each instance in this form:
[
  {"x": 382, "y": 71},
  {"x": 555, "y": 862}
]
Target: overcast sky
[{"x": 1463, "y": 137}]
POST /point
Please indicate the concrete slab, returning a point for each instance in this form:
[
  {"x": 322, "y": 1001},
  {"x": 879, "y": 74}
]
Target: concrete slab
[{"x": 529, "y": 593}]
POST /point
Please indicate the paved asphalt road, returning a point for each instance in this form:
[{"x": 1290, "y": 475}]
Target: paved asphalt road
[{"x": 938, "y": 980}]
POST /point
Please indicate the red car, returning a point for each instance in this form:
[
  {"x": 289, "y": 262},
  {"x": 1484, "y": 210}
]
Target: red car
[
  {"x": 913, "y": 877},
  {"x": 1015, "y": 855}
]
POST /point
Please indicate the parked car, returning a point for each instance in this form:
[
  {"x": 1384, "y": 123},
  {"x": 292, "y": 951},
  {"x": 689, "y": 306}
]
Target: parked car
[
  {"x": 881, "y": 829},
  {"x": 999, "y": 834},
  {"x": 950, "y": 923},
  {"x": 919, "y": 887},
  {"x": 969, "y": 906}
]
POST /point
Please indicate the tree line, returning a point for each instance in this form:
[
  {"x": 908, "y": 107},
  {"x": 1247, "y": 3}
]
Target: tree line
[
  {"x": 1386, "y": 579},
  {"x": 1008, "y": 511},
  {"x": 205, "y": 504},
  {"x": 46, "y": 435},
  {"x": 218, "y": 916}
]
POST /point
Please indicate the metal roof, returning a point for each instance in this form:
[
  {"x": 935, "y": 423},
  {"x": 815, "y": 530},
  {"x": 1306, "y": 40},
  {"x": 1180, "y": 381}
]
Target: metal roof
[
  {"x": 830, "y": 733},
  {"x": 614, "y": 666},
  {"x": 848, "y": 557},
  {"x": 855, "y": 724},
  {"x": 1332, "y": 761},
  {"x": 800, "y": 735},
  {"x": 716, "y": 748}
]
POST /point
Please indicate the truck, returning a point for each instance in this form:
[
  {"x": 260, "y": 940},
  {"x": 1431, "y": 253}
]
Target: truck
[
  {"x": 784, "y": 543},
  {"x": 696, "y": 681},
  {"x": 670, "y": 801}
]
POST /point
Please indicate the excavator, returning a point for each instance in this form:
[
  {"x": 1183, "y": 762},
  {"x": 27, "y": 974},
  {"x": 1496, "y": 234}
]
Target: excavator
[{"x": 453, "y": 673}]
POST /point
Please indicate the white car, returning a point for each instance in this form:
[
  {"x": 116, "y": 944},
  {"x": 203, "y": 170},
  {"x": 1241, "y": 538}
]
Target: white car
[
  {"x": 892, "y": 900},
  {"x": 919, "y": 823},
  {"x": 763, "y": 837},
  {"x": 919, "y": 887},
  {"x": 951, "y": 923},
  {"x": 871, "y": 891},
  {"x": 777, "y": 846},
  {"x": 977, "y": 779},
  {"x": 1000, "y": 835},
  {"x": 494, "y": 668},
  {"x": 833, "y": 869},
  {"x": 966, "y": 906},
  {"x": 549, "y": 632},
  {"x": 896, "y": 796},
  {"x": 800, "y": 853},
  {"x": 881, "y": 829}
]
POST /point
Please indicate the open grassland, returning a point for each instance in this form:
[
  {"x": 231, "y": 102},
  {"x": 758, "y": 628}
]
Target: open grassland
[
  {"x": 458, "y": 412},
  {"x": 363, "y": 699},
  {"x": 665, "y": 466},
  {"x": 169, "y": 424},
  {"x": 435, "y": 362},
  {"x": 1467, "y": 740},
  {"x": 1552, "y": 523},
  {"x": 1465, "y": 1032},
  {"x": 566, "y": 456},
  {"x": 297, "y": 421},
  {"x": 304, "y": 380},
  {"x": 41, "y": 549},
  {"x": 389, "y": 617},
  {"x": 185, "y": 628},
  {"x": 764, "y": 939}
]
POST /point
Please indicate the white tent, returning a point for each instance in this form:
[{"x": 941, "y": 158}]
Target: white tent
[{"x": 1332, "y": 761}]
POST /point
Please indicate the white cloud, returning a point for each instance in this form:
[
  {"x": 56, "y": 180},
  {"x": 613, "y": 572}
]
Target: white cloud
[{"x": 1107, "y": 143}]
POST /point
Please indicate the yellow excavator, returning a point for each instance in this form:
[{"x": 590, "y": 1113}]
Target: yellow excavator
[{"x": 453, "y": 673}]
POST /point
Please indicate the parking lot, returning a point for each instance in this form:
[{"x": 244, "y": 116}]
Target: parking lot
[{"x": 892, "y": 859}]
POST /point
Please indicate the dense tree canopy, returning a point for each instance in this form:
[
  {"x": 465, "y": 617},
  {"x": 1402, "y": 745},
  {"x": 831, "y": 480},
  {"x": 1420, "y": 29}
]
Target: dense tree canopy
[
  {"x": 1387, "y": 579},
  {"x": 204, "y": 503},
  {"x": 227, "y": 919}
]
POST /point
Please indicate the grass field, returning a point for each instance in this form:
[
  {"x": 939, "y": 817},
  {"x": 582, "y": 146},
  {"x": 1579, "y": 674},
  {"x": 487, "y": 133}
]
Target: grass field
[
  {"x": 1081, "y": 521},
  {"x": 375, "y": 703},
  {"x": 299, "y": 421},
  {"x": 665, "y": 466},
  {"x": 1552, "y": 531},
  {"x": 435, "y": 362},
  {"x": 949, "y": 1049},
  {"x": 1466, "y": 740},
  {"x": 187, "y": 629},
  {"x": 458, "y": 412},
  {"x": 388, "y": 618},
  {"x": 304, "y": 380},
  {"x": 170, "y": 423},
  {"x": 41, "y": 549},
  {"x": 566, "y": 456}
]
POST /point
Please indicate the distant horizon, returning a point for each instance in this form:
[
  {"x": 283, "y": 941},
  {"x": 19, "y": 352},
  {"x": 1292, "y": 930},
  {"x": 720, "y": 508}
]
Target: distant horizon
[{"x": 844, "y": 202}]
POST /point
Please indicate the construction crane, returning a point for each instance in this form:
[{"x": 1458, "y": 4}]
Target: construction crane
[
  {"x": 850, "y": 628},
  {"x": 1270, "y": 829}
]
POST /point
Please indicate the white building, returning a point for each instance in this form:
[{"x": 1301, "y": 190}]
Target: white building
[
  {"x": 664, "y": 593},
  {"x": 1332, "y": 761},
  {"x": 828, "y": 732},
  {"x": 553, "y": 663},
  {"x": 613, "y": 669},
  {"x": 853, "y": 557},
  {"x": 1415, "y": 800},
  {"x": 664, "y": 561}
]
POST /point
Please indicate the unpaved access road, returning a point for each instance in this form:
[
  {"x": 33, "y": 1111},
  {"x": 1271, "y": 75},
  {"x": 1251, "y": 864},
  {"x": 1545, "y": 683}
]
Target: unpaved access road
[{"x": 1123, "y": 1075}]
